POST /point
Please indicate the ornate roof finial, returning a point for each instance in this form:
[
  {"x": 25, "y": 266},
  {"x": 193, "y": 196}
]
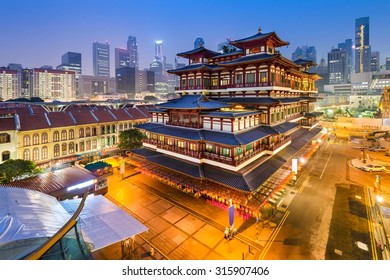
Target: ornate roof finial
[
  {"x": 259, "y": 30},
  {"x": 200, "y": 44}
]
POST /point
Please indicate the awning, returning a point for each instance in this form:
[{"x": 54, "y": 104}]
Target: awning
[{"x": 102, "y": 222}]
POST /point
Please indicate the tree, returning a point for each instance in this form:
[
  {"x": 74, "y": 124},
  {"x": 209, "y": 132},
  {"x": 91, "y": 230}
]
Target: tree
[
  {"x": 228, "y": 49},
  {"x": 150, "y": 98},
  {"x": 14, "y": 169},
  {"x": 130, "y": 139}
]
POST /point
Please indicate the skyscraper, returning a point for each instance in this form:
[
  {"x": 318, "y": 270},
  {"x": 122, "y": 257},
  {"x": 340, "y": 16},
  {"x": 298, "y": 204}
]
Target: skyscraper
[
  {"x": 101, "y": 59},
  {"x": 122, "y": 58},
  {"x": 306, "y": 53},
  {"x": 198, "y": 43},
  {"x": 132, "y": 48},
  {"x": 158, "y": 50},
  {"x": 337, "y": 66},
  {"x": 362, "y": 45},
  {"x": 374, "y": 62},
  {"x": 71, "y": 61}
]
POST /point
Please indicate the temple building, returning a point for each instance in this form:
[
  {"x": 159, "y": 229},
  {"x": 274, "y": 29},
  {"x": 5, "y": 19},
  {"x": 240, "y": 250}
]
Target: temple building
[{"x": 237, "y": 110}]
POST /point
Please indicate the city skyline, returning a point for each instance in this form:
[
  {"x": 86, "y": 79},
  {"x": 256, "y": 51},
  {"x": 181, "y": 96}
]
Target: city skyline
[{"x": 51, "y": 34}]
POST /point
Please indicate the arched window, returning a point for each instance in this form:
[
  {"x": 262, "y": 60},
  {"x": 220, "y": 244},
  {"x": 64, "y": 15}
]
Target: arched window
[
  {"x": 125, "y": 126},
  {"x": 5, "y": 155},
  {"x": 81, "y": 145},
  {"x": 108, "y": 129},
  {"x": 63, "y": 135},
  {"x": 120, "y": 127},
  {"x": 44, "y": 152},
  {"x": 130, "y": 125},
  {"x": 88, "y": 145},
  {"x": 56, "y": 136},
  {"x": 26, "y": 154},
  {"x": 26, "y": 140},
  {"x": 102, "y": 130},
  {"x": 113, "y": 128},
  {"x": 94, "y": 144},
  {"x": 44, "y": 138},
  {"x": 88, "y": 132},
  {"x": 113, "y": 140},
  {"x": 71, "y": 134},
  {"x": 108, "y": 141},
  {"x": 94, "y": 131},
  {"x": 71, "y": 148},
  {"x": 35, "y": 156},
  {"x": 56, "y": 150},
  {"x": 35, "y": 139},
  {"x": 64, "y": 148},
  {"x": 81, "y": 132}
]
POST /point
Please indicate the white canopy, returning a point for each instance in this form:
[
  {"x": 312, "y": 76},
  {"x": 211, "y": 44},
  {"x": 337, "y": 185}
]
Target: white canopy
[
  {"x": 102, "y": 222},
  {"x": 30, "y": 217}
]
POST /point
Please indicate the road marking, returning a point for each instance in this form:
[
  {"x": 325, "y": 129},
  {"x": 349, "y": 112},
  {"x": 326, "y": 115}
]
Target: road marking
[
  {"x": 273, "y": 235},
  {"x": 326, "y": 164}
]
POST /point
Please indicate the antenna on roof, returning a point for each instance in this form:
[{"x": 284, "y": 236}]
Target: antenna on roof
[{"x": 259, "y": 30}]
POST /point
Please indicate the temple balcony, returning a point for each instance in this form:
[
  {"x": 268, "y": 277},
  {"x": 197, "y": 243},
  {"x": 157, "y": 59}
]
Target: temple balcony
[
  {"x": 184, "y": 124},
  {"x": 250, "y": 85}
]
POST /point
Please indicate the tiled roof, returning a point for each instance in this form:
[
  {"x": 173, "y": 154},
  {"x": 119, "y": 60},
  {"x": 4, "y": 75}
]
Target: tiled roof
[
  {"x": 60, "y": 119},
  {"x": 229, "y": 54},
  {"x": 225, "y": 177},
  {"x": 230, "y": 114},
  {"x": 179, "y": 132},
  {"x": 250, "y": 100},
  {"x": 203, "y": 50},
  {"x": 243, "y": 181},
  {"x": 52, "y": 182},
  {"x": 260, "y": 36},
  {"x": 248, "y": 58},
  {"x": 193, "y": 101},
  {"x": 284, "y": 127},
  {"x": 84, "y": 117},
  {"x": 39, "y": 121},
  {"x": 104, "y": 116},
  {"x": 208, "y": 67},
  {"x": 7, "y": 123},
  {"x": 226, "y": 138}
]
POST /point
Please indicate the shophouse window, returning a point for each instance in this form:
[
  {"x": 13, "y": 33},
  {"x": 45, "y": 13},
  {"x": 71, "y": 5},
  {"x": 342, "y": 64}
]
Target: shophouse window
[{"x": 26, "y": 140}]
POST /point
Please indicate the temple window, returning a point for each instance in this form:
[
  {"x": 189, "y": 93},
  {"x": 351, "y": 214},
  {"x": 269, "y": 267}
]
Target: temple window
[
  {"x": 250, "y": 78},
  {"x": 225, "y": 152}
]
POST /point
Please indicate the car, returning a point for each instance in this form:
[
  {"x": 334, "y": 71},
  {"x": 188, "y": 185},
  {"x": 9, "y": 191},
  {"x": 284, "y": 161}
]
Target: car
[
  {"x": 377, "y": 149},
  {"x": 373, "y": 168}
]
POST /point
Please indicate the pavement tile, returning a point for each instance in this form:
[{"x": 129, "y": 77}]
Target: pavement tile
[
  {"x": 159, "y": 206},
  {"x": 173, "y": 214},
  {"x": 209, "y": 235},
  {"x": 190, "y": 224},
  {"x": 195, "y": 248}
]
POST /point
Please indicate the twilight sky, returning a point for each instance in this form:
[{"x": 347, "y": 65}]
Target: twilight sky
[{"x": 39, "y": 32}]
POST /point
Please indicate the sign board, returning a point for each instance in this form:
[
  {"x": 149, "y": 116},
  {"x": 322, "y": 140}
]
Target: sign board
[
  {"x": 294, "y": 165},
  {"x": 231, "y": 215}
]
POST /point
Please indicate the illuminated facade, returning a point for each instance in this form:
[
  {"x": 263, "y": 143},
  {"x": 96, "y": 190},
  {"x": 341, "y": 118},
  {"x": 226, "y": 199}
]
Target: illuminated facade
[
  {"x": 75, "y": 132},
  {"x": 53, "y": 84},
  {"x": 362, "y": 45},
  {"x": 101, "y": 59},
  {"x": 9, "y": 84},
  {"x": 235, "y": 108}
]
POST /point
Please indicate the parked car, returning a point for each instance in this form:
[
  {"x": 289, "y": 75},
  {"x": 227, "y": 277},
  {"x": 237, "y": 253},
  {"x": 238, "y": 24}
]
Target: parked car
[
  {"x": 377, "y": 149},
  {"x": 373, "y": 168}
]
